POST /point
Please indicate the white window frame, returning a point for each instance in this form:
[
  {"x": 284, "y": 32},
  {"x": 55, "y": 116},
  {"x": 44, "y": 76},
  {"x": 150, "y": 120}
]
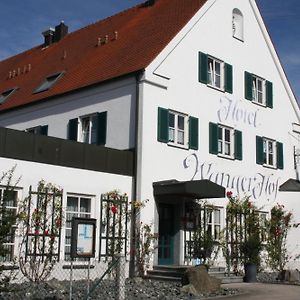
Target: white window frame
[
  {"x": 82, "y": 135},
  {"x": 78, "y": 213},
  {"x": 12, "y": 244},
  {"x": 214, "y": 225},
  {"x": 256, "y": 92},
  {"x": 269, "y": 155},
  {"x": 212, "y": 73},
  {"x": 223, "y": 144},
  {"x": 175, "y": 133}
]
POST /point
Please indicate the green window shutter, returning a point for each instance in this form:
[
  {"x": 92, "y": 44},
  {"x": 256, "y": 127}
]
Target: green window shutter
[
  {"x": 269, "y": 94},
  {"x": 73, "y": 129},
  {"x": 44, "y": 130},
  {"x": 163, "y": 125},
  {"x": 203, "y": 75},
  {"x": 228, "y": 78},
  {"x": 213, "y": 138},
  {"x": 101, "y": 127},
  {"x": 259, "y": 150},
  {"x": 193, "y": 133},
  {"x": 248, "y": 86},
  {"x": 279, "y": 147},
  {"x": 238, "y": 145}
]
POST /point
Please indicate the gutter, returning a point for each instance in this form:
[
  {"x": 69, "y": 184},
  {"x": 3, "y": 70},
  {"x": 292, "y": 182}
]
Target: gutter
[{"x": 136, "y": 172}]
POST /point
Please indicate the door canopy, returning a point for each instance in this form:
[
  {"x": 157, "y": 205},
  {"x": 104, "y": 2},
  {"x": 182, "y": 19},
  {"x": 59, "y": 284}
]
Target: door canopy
[
  {"x": 291, "y": 185},
  {"x": 196, "y": 189}
]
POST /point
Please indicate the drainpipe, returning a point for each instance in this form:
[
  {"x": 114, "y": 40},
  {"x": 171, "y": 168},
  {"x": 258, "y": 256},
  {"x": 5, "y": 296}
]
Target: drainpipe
[{"x": 137, "y": 176}]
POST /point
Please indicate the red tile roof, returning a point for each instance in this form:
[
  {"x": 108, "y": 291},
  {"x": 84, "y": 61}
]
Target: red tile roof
[{"x": 143, "y": 32}]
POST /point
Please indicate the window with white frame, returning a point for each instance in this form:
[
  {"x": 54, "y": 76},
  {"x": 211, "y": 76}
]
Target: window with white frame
[
  {"x": 269, "y": 150},
  {"x": 77, "y": 206},
  {"x": 9, "y": 199},
  {"x": 178, "y": 129},
  {"x": 263, "y": 224},
  {"x": 215, "y": 72},
  {"x": 258, "y": 90},
  {"x": 88, "y": 132},
  {"x": 225, "y": 140},
  {"x": 214, "y": 223}
]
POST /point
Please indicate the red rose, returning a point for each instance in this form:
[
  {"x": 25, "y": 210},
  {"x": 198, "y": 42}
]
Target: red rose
[
  {"x": 114, "y": 209},
  {"x": 37, "y": 232},
  {"x": 46, "y": 232},
  {"x": 229, "y": 194}
]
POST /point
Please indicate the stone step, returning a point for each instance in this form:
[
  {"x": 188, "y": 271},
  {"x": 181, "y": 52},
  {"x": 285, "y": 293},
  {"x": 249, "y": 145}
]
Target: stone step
[{"x": 175, "y": 273}]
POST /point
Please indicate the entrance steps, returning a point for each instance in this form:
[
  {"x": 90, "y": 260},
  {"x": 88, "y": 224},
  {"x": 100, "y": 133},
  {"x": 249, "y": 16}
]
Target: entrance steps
[{"x": 175, "y": 273}]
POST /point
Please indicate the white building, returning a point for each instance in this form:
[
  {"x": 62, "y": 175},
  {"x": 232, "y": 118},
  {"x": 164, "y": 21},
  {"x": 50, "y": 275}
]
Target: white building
[{"x": 204, "y": 98}]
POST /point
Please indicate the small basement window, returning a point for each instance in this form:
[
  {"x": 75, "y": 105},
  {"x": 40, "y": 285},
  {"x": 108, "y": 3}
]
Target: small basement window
[
  {"x": 49, "y": 82},
  {"x": 4, "y": 96}
]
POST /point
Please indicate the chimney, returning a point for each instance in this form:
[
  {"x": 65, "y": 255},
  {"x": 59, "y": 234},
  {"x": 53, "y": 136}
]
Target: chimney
[
  {"x": 61, "y": 31},
  {"x": 48, "y": 36}
]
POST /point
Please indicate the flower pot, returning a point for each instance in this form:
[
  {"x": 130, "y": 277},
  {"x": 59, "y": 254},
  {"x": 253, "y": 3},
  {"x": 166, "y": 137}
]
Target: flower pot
[{"x": 250, "y": 272}]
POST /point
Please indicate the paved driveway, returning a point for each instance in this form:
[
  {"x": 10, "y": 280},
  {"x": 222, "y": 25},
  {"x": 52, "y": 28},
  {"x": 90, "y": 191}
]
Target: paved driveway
[{"x": 261, "y": 291}]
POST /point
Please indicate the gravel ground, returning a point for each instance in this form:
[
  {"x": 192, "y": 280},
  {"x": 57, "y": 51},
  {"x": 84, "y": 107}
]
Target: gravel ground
[{"x": 135, "y": 289}]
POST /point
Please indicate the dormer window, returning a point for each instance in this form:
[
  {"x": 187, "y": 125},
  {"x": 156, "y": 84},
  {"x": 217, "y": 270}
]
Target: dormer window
[
  {"x": 49, "y": 82},
  {"x": 4, "y": 96},
  {"x": 237, "y": 24}
]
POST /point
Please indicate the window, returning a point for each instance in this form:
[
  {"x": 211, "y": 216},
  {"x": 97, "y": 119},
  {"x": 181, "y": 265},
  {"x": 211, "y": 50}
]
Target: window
[
  {"x": 237, "y": 24},
  {"x": 214, "y": 223},
  {"x": 42, "y": 130},
  {"x": 77, "y": 206},
  {"x": 269, "y": 149},
  {"x": 269, "y": 152},
  {"x": 263, "y": 224},
  {"x": 6, "y": 94},
  {"x": 258, "y": 90},
  {"x": 225, "y": 141},
  {"x": 89, "y": 129},
  {"x": 9, "y": 207},
  {"x": 215, "y": 73},
  {"x": 49, "y": 82},
  {"x": 177, "y": 129}
]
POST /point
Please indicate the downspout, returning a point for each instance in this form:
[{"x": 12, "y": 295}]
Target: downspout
[{"x": 135, "y": 181}]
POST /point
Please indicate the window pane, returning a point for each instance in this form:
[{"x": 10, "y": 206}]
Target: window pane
[
  {"x": 10, "y": 198},
  {"x": 171, "y": 120},
  {"x": 217, "y": 216},
  {"x": 94, "y": 130},
  {"x": 218, "y": 81},
  {"x": 72, "y": 204},
  {"x": 227, "y": 135},
  {"x": 227, "y": 148},
  {"x": 171, "y": 134},
  {"x": 218, "y": 68},
  {"x": 85, "y": 205},
  {"x": 220, "y": 146},
  {"x": 85, "y": 129},
  {"x": 181, "y": 122},
  {"x": 180, "y": 137}
]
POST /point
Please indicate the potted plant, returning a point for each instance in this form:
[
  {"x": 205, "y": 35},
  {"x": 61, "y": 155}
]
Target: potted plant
[
  {"x": 250, "y": 250},
  {"x": 251, "y": 246}
]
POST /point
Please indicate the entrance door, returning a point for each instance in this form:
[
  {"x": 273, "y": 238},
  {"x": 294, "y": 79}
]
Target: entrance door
[{"x": 166, "y": 234}]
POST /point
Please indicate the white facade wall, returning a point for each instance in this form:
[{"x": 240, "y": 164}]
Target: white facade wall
[
  {"x": 117, "y": 98},
  {"x": 210, "y": 31}
]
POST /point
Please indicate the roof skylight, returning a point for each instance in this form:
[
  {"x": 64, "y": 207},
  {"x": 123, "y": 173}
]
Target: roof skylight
[
  {"x": 49, "y": 82},
  {"x": 4, "y": 96}
]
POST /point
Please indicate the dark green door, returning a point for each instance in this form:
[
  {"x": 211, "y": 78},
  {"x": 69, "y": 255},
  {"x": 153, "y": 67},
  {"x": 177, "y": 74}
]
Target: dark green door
[{"x": 166, "y": 234}]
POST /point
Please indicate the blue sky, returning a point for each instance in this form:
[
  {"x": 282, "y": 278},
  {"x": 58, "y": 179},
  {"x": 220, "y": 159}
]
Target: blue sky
[{"x": 22, "y": 21}]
